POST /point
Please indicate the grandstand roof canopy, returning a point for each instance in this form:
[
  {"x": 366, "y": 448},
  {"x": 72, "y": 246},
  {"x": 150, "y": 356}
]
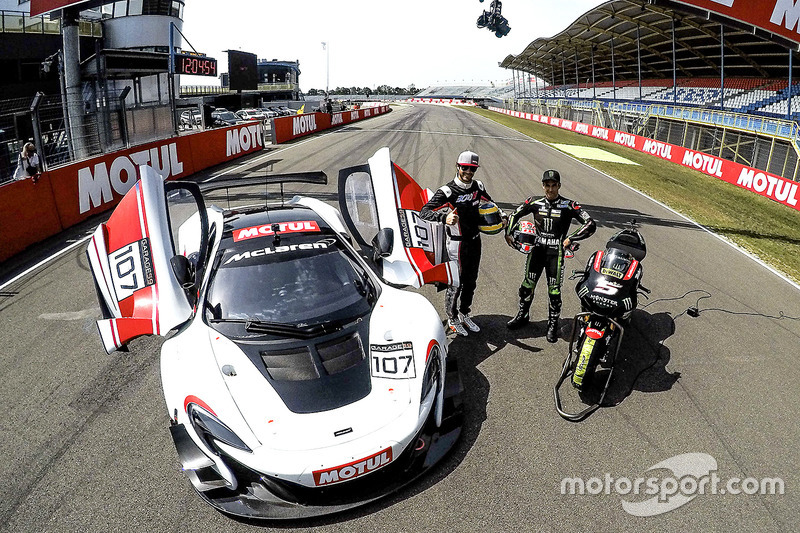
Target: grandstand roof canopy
[{"x": 586, "y": 46}]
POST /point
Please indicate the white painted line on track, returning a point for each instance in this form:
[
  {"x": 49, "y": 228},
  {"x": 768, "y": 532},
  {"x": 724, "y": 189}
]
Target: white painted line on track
[{"x": 45, "y": 261}]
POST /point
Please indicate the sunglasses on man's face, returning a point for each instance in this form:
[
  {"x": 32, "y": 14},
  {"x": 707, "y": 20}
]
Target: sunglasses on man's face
[{"x": 467, "y": 168}]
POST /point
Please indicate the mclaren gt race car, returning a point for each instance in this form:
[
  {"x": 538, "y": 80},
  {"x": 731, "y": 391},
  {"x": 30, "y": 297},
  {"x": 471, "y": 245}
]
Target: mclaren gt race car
[{"x": 299, "y": 378}]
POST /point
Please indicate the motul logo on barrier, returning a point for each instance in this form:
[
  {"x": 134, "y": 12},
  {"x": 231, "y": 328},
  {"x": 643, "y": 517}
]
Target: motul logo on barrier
[
  {"x": 600, "y": 133},
  {"x": 702, "y": 162},
  {"x": 283, "y": 227},
  {"x": 566, "y": 124},
  {"x": 662, "y": 150},
  {"x": 582, "y": 128},
  {"x": 777, "y": 188},
  {"x": 353, "y": 115},
  {"x": 787, "y": 12},
  {"x": 243, "y": 139},
  {"x": 337, "y": 119},
  {"x": 625, "y": 139},
  {"x": 304, "y": 124},
  {"x": 354, "y": 469},
  {"x": 95, "y": 185}
]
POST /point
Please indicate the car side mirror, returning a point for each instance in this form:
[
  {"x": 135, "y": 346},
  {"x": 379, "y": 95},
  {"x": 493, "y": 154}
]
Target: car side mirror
[
  {"x": 383, "y": 243},
  {"x": 183, "y": 270}
]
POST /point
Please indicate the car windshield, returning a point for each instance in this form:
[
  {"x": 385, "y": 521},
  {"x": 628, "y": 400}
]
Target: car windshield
[
  {"x": 304, "y": 279},
  {"x": 227, "y": 115}
]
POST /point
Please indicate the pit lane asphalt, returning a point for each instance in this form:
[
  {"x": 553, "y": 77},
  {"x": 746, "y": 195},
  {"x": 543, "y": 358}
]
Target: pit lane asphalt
[{"x": 85, "y": 444}]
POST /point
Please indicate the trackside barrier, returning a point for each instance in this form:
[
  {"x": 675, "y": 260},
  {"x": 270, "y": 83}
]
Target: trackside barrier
[
  {"x": 762, "y": 183},
  {"x": 293, "y": 127},
  {"x": 67, "y": 195},
  {"x": 445, "y": 101}
]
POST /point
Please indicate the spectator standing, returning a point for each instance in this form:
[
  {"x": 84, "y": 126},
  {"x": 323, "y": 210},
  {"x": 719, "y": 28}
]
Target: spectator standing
[{"x": 28, "y": 164}]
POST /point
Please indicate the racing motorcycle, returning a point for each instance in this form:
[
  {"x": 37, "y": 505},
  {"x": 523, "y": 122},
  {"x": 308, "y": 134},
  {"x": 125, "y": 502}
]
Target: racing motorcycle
[{"x": 608, "y": 290}]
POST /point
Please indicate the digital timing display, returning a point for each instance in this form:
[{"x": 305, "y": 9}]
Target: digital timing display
[{"x": 195, "y": 65}]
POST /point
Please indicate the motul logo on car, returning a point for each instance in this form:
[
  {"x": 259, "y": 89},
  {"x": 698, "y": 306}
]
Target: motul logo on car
[
  {"x": 661, "y": 150},
  {"x": 704, "y": 163},
  {"x": 304, "y": 124},
  {"x": 95, "y": 187},
  {"x": 777, "y": 188},
  {"x": 283, "y": 227},
  {"x": 600, "y": 133},
  {"x": 625, "y": 139},
  {"x": 243, "y": 139},
  {"x": 354, "y": 469}
]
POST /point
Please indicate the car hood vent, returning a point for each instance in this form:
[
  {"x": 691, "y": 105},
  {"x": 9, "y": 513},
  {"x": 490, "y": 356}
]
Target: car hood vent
[
  {"x": 340, "y": 354},
  {"x": 290, "y": 365},
  {"x": 310, "y": 376}
]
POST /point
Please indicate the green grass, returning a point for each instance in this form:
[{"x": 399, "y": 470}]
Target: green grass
[{"x": 765, "y": 228}]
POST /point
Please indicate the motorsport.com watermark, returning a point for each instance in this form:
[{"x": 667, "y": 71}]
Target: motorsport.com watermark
[{"x": 693, "y": 474}]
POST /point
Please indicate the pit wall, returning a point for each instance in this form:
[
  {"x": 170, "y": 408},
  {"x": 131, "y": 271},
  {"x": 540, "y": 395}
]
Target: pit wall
[
  {"x": 757, "y": 181},
  {"x": 65, "y": 196},
  {"x": 293, "y": 127}
]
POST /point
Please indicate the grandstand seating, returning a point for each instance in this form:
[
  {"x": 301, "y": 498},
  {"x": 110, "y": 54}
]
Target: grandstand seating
[{"x": 743, "y": 95}]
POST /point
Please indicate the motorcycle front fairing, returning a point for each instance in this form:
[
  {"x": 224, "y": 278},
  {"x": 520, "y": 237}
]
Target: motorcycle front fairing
[{"x": 610, "y": 283}]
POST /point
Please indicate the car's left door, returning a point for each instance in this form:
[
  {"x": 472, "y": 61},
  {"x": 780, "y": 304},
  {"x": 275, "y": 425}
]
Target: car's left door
[{"x": 144, "y": 286}]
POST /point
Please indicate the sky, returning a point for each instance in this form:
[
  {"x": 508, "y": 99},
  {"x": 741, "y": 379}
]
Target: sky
[{"x": 374, "y": 42}]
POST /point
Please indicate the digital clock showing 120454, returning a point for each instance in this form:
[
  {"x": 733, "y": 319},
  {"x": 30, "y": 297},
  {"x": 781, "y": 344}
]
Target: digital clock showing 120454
[{"x": 195, "y": 65}]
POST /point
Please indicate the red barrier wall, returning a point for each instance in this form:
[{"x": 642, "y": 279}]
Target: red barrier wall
[
  {"x": 293, "y": 127},
  {"x": 70, "y": 194},
  {"x": 762, "y": 183}
]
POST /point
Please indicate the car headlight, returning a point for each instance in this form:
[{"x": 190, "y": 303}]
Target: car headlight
[{"x": 210, "y": 427}]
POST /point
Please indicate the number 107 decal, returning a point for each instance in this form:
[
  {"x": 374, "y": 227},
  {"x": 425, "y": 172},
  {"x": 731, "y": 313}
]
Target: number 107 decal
[{"x": 392, "y": 361}]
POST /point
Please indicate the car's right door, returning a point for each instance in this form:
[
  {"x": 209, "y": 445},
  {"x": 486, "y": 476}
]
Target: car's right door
[{"x": 382, "y": 195}]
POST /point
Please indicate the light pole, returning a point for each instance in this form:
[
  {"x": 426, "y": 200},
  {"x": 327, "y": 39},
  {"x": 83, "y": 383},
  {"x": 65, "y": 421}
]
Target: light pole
[{"x": 327, "y": 67}]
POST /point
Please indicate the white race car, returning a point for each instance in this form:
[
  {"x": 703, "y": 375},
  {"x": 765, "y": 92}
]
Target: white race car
[{"x": 299, "y": 379}]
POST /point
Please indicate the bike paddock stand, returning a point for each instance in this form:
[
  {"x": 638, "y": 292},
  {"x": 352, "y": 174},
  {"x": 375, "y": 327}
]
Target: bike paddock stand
[{"x": 569, "y": 368}]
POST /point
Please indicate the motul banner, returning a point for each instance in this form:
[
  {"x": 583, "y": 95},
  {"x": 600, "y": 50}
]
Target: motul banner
[
  {"x": 762, "y": 183},
  {"x": 70, "y": 194},
  {"x": 293, "y": 127},
  {"x": 40, "y": 7},
  {"x": 775, "y": 16}
]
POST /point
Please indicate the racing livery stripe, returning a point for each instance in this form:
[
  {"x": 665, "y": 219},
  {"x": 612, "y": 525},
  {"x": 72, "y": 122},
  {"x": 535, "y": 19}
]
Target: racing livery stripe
[
  {"x": 430, "y": 347},
  {"x": 194, "y": 399},
  {"x": 111, "y": 290},
  {"x": 632, "y": 269},
  {"x": 146, "y": 233},
  {"x": 597, "y": 260},
  {"x": 398, "y": 204}
]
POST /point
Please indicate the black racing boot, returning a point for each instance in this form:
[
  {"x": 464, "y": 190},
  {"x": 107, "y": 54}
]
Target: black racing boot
[
  {"x": 552, "y": 328},
  {"x": 522, "y": 318}
]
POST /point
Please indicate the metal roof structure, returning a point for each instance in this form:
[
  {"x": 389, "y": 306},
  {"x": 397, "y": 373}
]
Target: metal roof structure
[{"x": 609, "y": 42}]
